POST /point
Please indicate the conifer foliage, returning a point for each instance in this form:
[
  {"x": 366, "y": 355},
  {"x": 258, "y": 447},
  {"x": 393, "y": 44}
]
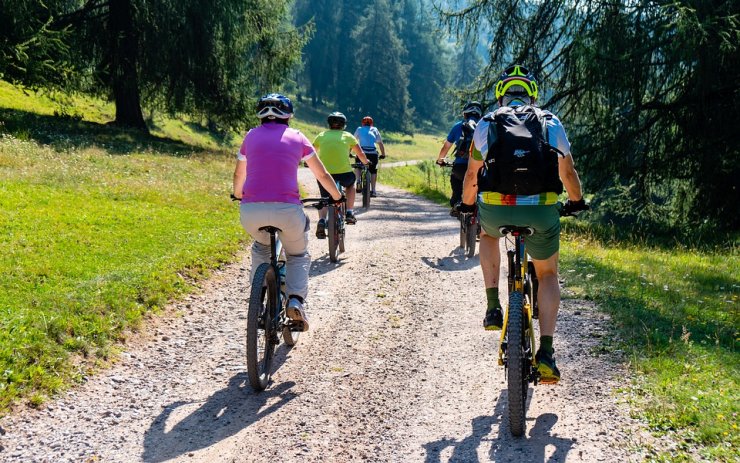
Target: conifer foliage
[
  {"x": 648, "y": 92},
  {"x": 201, "y": 57},
  {"x": 378, "y": 57}
]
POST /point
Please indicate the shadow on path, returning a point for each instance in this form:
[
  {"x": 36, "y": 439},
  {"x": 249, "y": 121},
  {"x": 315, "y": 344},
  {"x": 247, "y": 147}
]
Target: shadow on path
[
  {"x": 323, "y": 265},
  {"x": 455, "y": 262},
  {"x": 504, "y": 447},
  {"x": 223, "y": 414}
]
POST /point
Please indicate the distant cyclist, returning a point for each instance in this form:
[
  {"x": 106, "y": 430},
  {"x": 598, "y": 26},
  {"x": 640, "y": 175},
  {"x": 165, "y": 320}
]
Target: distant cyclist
[
  {"x": 368, "y": 136},
  {"x": 461, "y": 136},
  {"x": 524, "y": 159},
  {"x": 333, "y": 146},
  {"x": 266, "y": 181}
]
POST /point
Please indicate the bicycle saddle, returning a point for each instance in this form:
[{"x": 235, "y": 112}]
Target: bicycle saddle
[
  {"x": 270, "y": 229},
  {"x": 516, "y": 231}
]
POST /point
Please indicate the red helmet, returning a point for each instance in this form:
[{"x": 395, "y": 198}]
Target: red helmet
[{"x": 367, "y": 120}]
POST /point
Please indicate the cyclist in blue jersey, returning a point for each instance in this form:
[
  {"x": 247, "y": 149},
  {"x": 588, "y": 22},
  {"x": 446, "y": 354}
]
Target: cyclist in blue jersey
[
  {"x": 368, "y": 136},
  {"x": 461, "y": 136}
]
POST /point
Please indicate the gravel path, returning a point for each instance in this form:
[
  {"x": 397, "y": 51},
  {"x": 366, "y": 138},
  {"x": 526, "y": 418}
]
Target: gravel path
[{"x": 396, "y": 368}]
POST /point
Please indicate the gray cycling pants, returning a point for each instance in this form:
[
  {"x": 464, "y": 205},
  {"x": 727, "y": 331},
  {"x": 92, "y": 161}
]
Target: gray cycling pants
[{"x": 294, "y": 226}]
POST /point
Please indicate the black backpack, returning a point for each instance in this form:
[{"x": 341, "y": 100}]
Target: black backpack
[
  {"x": 462, "y": 146},
  {"x": 521, "y": 161}
]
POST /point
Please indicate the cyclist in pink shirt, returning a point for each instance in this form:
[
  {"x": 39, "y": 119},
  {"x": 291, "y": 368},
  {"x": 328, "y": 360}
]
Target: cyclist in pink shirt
[{"x": 266, "y": 181}]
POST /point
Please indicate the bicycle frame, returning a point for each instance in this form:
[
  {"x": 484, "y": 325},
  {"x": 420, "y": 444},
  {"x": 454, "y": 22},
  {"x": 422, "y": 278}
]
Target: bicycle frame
[
  {"x": 276, "y": 248},
  {"x": 518, "y": 265}
]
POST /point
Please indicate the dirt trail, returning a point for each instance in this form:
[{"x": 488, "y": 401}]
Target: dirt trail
[{"x": 396, "y": 368}]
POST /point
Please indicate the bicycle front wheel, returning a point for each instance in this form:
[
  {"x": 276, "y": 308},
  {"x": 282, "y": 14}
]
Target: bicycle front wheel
[
  {"x": 516, "y": 363},
  {"x": 261, "y": 336},
  {"x": 333, "y": 238}
]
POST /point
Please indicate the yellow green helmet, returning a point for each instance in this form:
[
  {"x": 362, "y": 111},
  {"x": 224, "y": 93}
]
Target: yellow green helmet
[{"x": 516, "y": 75}]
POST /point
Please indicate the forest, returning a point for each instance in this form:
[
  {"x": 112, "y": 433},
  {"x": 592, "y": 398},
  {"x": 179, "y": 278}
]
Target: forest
[{"x": 646, "y": 89}]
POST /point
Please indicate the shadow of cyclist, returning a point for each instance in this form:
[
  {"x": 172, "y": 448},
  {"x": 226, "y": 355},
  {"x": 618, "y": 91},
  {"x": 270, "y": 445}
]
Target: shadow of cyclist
[
  {"x": 223, "y": 414},
  {"x": 455, "y": 262},
  {"x": 504, "y": 447},
  {"x": 465, "y": 450},
  {"x": 323, "y": 265}
]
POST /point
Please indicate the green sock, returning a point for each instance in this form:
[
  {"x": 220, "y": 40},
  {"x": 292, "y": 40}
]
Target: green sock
[
  {"x": 546, "y": 344},
  {"x": 492, "y": 296}
]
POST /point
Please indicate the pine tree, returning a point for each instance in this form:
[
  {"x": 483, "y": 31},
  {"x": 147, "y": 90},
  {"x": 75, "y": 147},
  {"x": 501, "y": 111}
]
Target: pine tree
[{"x": 429, "y": 59}]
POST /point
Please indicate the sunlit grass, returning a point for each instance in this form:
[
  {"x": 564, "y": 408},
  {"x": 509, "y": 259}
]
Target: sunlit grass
[
  {"x": 90, "y": 242},
  {"x": 98, "y": 227}
]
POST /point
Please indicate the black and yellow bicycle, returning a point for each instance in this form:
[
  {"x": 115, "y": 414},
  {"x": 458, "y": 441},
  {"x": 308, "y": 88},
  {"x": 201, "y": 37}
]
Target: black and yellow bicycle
[{"x": 517, "y": 344}]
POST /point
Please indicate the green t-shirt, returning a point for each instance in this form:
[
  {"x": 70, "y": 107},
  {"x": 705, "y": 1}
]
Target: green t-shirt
[{"x": 333, "y": 147}]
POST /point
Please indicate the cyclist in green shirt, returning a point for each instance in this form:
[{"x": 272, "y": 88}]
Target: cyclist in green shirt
[{"x": 333, "y": 146}]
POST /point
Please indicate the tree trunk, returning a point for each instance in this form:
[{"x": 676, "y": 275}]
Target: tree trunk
[{"x": 124, "y": 78}]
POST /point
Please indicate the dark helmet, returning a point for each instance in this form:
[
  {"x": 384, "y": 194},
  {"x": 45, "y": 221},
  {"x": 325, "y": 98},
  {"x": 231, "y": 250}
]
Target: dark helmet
[
  {"x": 367, "y": 120},
  {"x": 519, "y": 80},
  {"x": 274, "y": 106},
  {"x": 336, "y": 119},
  {"x": 473, "y": 109}
]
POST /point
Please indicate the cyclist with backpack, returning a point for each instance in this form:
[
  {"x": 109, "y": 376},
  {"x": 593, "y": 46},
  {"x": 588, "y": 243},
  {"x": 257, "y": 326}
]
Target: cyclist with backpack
[
  {"x": 333, "y": 146},
  {"x": 461, "y": 136},
  {"x": 368, "y": 136},
  {"x": 266, "y": 181},
  {"x": 521, "y": 159}
]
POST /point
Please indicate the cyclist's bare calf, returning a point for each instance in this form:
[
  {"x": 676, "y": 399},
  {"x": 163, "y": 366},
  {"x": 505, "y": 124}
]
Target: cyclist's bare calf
[
  {"x": 490, "y": 259},
  {"x": 548, "y": 294}
]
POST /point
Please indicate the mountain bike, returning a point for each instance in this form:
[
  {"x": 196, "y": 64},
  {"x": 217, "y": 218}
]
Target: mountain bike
[
  {"x": 469, "y": 231},
  {"x": 363, "y": 183},
  {"x": 517, "y": 344},
  {"x": 469, "y": 226},
  {"x": 335, "y": 225},
  {"x": 267, "y": 321}
]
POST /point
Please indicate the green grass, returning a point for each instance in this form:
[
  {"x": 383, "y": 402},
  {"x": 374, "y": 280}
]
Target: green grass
[
  {"x": 98, "y": 227},
  {"x": 676, "y": 312},
  {"x": 426, "y": 179}
]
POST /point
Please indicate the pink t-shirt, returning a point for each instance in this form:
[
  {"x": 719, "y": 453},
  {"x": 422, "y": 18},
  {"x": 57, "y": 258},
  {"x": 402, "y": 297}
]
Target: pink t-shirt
[{"x": 273, "y": 152}]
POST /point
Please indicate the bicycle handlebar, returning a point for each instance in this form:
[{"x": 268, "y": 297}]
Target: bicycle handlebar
[
  {"x": 444, "y": 164},
  {"x": 359, "y": 165},
  {"x": 319, "y": 203}
]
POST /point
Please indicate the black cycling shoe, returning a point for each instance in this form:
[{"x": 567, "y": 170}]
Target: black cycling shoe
[
  {"x": 321, "y": 229},
  {"x": 373, "y": 194},
  {"x": 494, "y": 319},
  {"x": 350, "y": 218}
]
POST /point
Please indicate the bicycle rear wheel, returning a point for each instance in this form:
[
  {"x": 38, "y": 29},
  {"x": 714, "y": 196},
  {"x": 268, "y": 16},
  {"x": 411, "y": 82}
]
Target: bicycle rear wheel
[
  {"x": 517, "y": 378},
  {"x": 471, "y": 235},
  {"x": 261, "y": 336},
  {"x": 531, "y": 285},
  {"x": 463, "y": 233},
  {"x": 365, "y": 190}
]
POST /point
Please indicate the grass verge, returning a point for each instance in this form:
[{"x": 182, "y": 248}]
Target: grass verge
[
  {"x": 677, "y": 312},
  {"x": 98, "y": 227}
]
